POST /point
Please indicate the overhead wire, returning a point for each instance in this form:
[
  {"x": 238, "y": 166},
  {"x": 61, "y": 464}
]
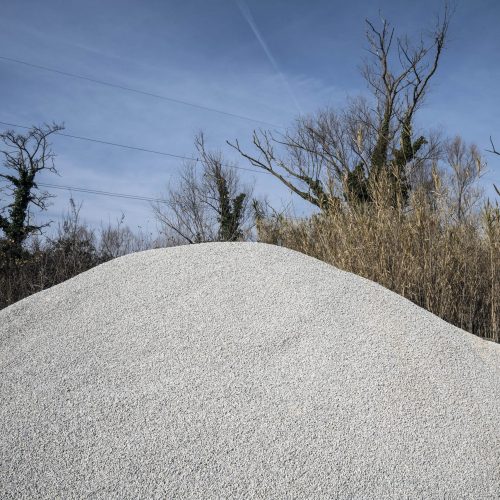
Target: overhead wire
[
  {"x": 129, "y": 196},
  {"x": 136, "y": 91},
  {"x": 136, "y": 148}
]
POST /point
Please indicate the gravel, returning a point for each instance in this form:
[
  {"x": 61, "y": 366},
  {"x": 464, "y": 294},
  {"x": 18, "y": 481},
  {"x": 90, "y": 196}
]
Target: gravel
[{"x": 241, "y": 370}]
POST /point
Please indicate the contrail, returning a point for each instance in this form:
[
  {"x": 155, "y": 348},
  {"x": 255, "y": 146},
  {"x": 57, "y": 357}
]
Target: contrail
[{"x": 245, "y": 11}]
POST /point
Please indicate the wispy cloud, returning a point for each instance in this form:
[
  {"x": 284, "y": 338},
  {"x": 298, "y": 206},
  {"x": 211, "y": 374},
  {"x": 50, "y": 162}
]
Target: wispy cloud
[{"x": 245, "y": 11}]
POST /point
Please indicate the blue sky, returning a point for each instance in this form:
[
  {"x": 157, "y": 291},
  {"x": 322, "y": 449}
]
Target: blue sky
[{"x": 205, "y": 51}]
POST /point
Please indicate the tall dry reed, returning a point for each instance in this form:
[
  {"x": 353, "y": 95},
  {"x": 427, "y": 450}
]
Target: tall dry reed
[{"x": 446, "y": 264}]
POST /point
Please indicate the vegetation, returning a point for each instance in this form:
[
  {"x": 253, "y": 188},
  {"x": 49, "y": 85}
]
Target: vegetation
[
  {"x": 209, "y": 204},
  {"x": 436, "y": 254},
  {"x": 341, "y": 155},
  {"x": 75, "y": 248}
]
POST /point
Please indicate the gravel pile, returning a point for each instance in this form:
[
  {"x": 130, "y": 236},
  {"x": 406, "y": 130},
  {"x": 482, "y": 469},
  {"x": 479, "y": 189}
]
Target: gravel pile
[{"x": 241, "y": 370}]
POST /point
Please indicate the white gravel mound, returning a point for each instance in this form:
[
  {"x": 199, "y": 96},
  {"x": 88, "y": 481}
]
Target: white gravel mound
[{"x": 246, "y": 371}]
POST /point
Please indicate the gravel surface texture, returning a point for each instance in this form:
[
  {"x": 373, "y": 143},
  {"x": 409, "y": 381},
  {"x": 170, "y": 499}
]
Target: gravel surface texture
[{"x": 241, "y": 370}]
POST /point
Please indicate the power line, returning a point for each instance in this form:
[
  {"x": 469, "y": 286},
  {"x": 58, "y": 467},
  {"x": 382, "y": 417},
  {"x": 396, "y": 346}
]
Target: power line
[
  {"x": 135, "y": 148},
  {"x": 136, "y": 91},
  {"x": 128, "y": 196},
  {"x": 100, "y": 141}
]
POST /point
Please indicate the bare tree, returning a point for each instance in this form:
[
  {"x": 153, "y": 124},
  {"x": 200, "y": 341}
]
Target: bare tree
[
  {"x": 25, "y": 156},
  {"x": 466, "y": 167},
  {"x": 343, "y": 153},
  {"x": 210, "y": 205}
]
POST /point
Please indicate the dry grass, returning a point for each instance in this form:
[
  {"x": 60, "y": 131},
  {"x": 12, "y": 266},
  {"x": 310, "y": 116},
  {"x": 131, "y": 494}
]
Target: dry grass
[{"x": 446, "y": 264}]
